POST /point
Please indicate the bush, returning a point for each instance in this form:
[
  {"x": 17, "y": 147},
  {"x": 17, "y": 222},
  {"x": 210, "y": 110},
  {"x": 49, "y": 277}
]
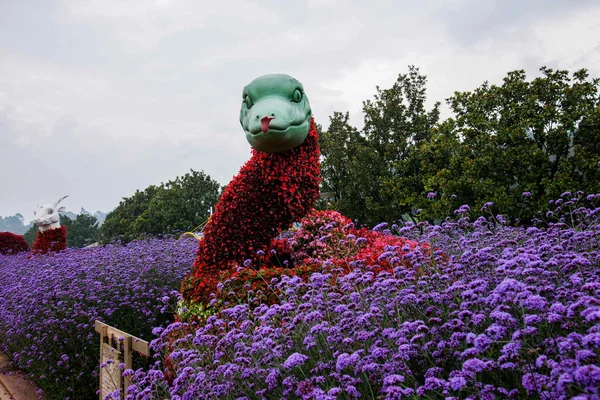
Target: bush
[
  {"x": 492, "y": 312},
  {"x": 48, "y": 305},
  {"x": 12, "y": 244}
]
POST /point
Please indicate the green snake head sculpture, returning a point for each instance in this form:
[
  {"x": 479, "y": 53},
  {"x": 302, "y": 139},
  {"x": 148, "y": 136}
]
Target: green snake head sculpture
[{"x": 275, "y": 113}]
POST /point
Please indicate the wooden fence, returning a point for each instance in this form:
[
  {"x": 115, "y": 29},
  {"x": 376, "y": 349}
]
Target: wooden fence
[{"x": 117, "y": 347}]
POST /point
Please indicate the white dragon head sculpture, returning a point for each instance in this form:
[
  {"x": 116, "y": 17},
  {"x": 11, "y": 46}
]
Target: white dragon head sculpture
[{"x": 46, "y": 216}]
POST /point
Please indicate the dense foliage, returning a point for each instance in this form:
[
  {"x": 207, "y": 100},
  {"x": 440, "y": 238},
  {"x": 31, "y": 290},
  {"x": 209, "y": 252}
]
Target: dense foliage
[
  {"x": 374, "y": 172},
  {"x": 81, "y": 231},
  {"x": 271, "y": 191},
  {"x": 11, "y": 243},
  {"x": 48, "y": 305},
  {"x": 179, "y": 205},
  {"x": 31, "y": 235},
  {"x": 494, "y": 312},
  {"x": 538, "y": 136}
]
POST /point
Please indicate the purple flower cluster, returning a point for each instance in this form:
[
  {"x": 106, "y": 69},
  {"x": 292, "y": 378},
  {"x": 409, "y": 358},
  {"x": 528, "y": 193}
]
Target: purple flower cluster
[
  {"x": 492, "y": 312},
  {"x": 48, "y": 305}
]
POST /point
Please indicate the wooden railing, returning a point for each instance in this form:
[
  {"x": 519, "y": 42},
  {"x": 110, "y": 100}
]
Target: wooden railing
[{"x": 117, "y": 347}]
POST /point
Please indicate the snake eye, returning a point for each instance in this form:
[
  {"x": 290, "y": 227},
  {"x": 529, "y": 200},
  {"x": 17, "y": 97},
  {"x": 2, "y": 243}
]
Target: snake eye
[
  {"x": 297, "y": 96},
  {"x": 248, "y": 102}
]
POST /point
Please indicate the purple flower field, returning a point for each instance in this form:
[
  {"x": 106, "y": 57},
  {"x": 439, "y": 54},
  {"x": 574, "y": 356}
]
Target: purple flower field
[
  {"x": 495, "y": 312},
  {"x": 48, "y": 305}
]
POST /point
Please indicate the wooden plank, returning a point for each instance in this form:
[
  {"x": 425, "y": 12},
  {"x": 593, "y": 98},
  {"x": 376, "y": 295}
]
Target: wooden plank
[
  {"x": 15, "y": 385},
  {"x": 102, "y": 331},
  {"x": 110, "y": 375},
  {"x": 128, "y": 360},
  {"x": 137, "y": 344}
]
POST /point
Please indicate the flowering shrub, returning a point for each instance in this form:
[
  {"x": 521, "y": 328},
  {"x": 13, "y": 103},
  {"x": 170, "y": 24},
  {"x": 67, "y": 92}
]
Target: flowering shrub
[
  {"x": 48, "y": 305},
  {"x": 491, "y": 312},
  {"x": 321, "y": 236},
  {"x": 328, "y": 236},
  {"x": 50, "y": 240},
  {"x": 11, "y": 243},
  {"x": 253, "y": 286},
  {"x": 271, "y": 191}
]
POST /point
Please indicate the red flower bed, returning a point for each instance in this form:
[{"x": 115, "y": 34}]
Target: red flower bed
[
  {"x": 271, "y": 191},
  {"x": 328, "y": 243},
  {"x": 50, "y": 240},
  {"x": 385, "y": 250},
  {"x": 255, "y": 286},
  {"x": 11, "y": 243},
  {"x": 328, "y": 235}
]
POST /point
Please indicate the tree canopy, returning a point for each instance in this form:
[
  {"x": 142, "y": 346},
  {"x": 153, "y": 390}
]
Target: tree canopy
[
  {"x": 81, "y": 230},
  {"x": 517, "y": 145},
  {"x": 176, "y": 206},
  {"x": 374, "y": 172}
]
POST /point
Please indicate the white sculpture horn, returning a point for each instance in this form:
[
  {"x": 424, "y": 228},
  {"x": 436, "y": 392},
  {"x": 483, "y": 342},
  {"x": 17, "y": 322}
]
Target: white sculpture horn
[{"x": 59, "y": 200}]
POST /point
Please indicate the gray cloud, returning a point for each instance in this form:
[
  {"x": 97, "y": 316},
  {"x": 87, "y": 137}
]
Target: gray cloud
[{"x": 99, "y": 98}]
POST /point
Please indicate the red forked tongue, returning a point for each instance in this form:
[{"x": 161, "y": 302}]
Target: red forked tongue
[{"x": 265, "y": 123}]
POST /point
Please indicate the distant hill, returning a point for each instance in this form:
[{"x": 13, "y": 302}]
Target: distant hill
[
  {"x": 100, "y": 216},
  {"x": 16, "y": 223}
]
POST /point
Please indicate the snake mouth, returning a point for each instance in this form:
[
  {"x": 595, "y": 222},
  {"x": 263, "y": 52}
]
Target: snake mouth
[
  {"x": 270, "y": 129},
  {"x": 264, "y": 123},
  {"x": 270, "y": 125},
  {"x": 273, "y": 130},
  {"x": 278, "y": 138}
]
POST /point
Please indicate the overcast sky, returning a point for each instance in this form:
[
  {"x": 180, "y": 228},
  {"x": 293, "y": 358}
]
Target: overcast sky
[{"x": 99, "y": 98}]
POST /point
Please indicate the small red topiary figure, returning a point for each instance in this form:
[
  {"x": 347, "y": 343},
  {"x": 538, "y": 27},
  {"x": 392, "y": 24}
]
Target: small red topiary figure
[
  {"x": 50, "y": 240},
  {"x": 11, "y": 243},
  {"x": 51, "y": 235}
]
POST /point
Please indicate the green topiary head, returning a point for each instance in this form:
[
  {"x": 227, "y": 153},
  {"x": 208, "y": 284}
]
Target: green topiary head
[{"x": 275, "y": 113}]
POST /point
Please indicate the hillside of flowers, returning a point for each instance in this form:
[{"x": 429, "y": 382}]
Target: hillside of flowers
[
  {"x": 49, "y": 302},
  {"x": 484, "y": 311}
]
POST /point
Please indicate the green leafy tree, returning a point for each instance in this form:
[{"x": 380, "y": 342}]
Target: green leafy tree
[
  {"x": 396, "y": 125},
  {"x": 119, "y": 222},
  {"x": 176, "y": 206},
  {"x": 31, "y": 235},
  {"x": 340, "y": 166},
  {"x": 377, "y": 172},
  {"x": 537, "y": 136},
  {"x": 81, "y": 231}
]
